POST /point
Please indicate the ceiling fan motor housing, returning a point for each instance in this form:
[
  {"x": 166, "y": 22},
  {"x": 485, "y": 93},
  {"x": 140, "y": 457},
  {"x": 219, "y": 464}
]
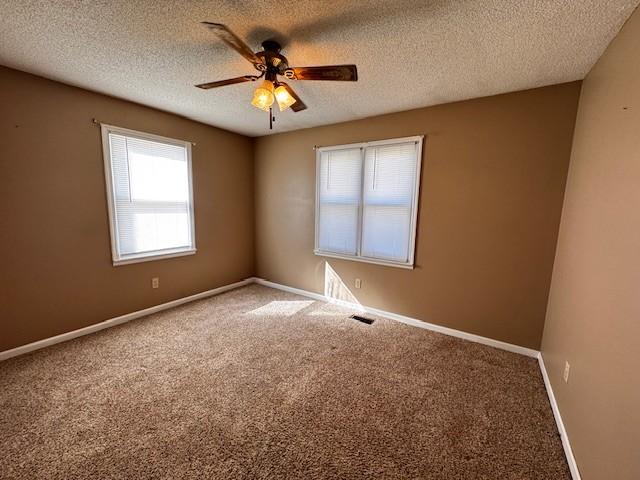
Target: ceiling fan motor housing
[
  {"x": 271, "y": 46},
  {"x": 273, "y": 63}
]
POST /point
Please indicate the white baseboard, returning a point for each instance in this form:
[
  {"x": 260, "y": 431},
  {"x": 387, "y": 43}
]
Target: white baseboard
[
  {"x": 529, "y": 352},
  {"x": 317, "y": 296},
  {"x": 566, "y": 445},
  {"x": 573, "y": 467},
  {"x": 63, "y": 337}
]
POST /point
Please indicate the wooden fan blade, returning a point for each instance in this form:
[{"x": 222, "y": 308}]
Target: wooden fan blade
[
  {"x": 344, "y": 73},
  {"x": 231, "y": 39},
  {"x": 299, "y": 105},
  {"x": 229, "y": 81}
]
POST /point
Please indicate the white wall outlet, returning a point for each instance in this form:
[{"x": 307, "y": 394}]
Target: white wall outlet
[
  {"x": 565, "y": 374},
  {"x": 155, "y": 282},
  {"x": 358, "y": 283}
]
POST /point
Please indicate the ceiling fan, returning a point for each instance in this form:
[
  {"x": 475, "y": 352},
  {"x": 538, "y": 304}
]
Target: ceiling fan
[{"x": 271, "y": 64}]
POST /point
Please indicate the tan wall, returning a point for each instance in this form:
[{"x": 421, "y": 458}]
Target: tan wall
[
  {"x": 493, "y": 177},
  {"x": 55, "y": 269},
  {"x": 593, "y": 319}
]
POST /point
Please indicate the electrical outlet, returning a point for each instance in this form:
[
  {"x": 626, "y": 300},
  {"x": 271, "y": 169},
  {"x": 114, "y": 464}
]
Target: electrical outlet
[
  {"x": 565, "y": 374},
  {"x": 358, "y": 283},
  {"x": 155, "y": 282}
]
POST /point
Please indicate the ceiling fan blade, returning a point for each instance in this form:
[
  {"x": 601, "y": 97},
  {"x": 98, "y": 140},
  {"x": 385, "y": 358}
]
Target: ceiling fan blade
[
  {"x": 299, "y": 105},
  {"x": 231, "y": 39},
  {"x": 229, "y": 81},
  {"x": 345, "y": 73}
]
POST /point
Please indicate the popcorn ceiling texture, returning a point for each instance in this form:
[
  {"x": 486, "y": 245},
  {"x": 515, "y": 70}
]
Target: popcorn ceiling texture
[
  {"x": 258, "y": 383},
  {"x": 409, "y": 53}
]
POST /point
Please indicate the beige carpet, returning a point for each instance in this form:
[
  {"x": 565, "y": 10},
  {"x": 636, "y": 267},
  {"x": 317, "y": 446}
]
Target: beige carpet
[{"x": 257, "y": 384}]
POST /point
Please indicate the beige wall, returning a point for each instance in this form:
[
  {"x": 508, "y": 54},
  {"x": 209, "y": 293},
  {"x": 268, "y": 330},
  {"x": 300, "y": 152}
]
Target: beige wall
[
  {"x": 55, "y": 268},
  {"x": 493, "y": 177},
  {"x": 593, "y": 319}
]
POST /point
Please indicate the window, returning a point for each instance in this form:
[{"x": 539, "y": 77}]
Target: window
[
  {"x": 367, "y": 201},
  {"x": 149, "y": 195}
]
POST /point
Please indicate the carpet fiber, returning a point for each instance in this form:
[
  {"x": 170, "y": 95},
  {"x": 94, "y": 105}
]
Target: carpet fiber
[{"x": 258, "y": 383}]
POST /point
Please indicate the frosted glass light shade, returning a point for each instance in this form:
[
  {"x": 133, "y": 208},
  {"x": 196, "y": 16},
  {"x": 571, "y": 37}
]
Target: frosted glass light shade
[
  {"x": 263, "y": 96},
  {"x": 284, "y": 98}
]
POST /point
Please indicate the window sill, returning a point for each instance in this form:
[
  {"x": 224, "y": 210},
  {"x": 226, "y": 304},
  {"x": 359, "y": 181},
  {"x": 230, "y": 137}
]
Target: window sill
[
  {"x": 375, "y": 261},
  {"x": 148, "y": 257}
]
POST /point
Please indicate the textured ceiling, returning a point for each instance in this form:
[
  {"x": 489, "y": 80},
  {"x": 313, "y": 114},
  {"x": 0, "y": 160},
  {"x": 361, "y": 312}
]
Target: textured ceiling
[{"x": 409, "y": 53}]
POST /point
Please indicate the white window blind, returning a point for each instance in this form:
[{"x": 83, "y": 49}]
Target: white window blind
[
  {"x": 340, "y": 195},
  {"x": 150, "y": 199},
  {"x": 367, "y": 201}
]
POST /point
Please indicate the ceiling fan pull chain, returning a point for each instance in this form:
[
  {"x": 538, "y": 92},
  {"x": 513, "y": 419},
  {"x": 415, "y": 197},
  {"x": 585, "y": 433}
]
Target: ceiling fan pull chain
[{"x": 271, "y": 118}]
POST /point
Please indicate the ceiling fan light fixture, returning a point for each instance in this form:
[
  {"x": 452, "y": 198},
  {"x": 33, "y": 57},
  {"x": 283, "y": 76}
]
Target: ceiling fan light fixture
[
  {"x": 271, "y": 64},
  {"x": 283, "y": 97},
  {"x": 263, "y": 96}
]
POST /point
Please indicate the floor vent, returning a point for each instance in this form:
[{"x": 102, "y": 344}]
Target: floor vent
[{"x": 368, "y": 321}]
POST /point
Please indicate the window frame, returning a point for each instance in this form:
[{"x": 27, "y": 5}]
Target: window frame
[
  {"x": 410, "y": 263},
  {"x": 116, "y": 257}
]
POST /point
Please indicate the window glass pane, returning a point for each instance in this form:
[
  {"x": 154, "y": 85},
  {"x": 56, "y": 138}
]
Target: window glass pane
[
  {"x": 339, "y": 195},
  {"x": 386, "y": 231},
  {"x": 338, "y": 228},
  {"x": 340, "y": 172},
  {"x": 145, "y": 227},
  {"x": 157, "y": 171}
]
